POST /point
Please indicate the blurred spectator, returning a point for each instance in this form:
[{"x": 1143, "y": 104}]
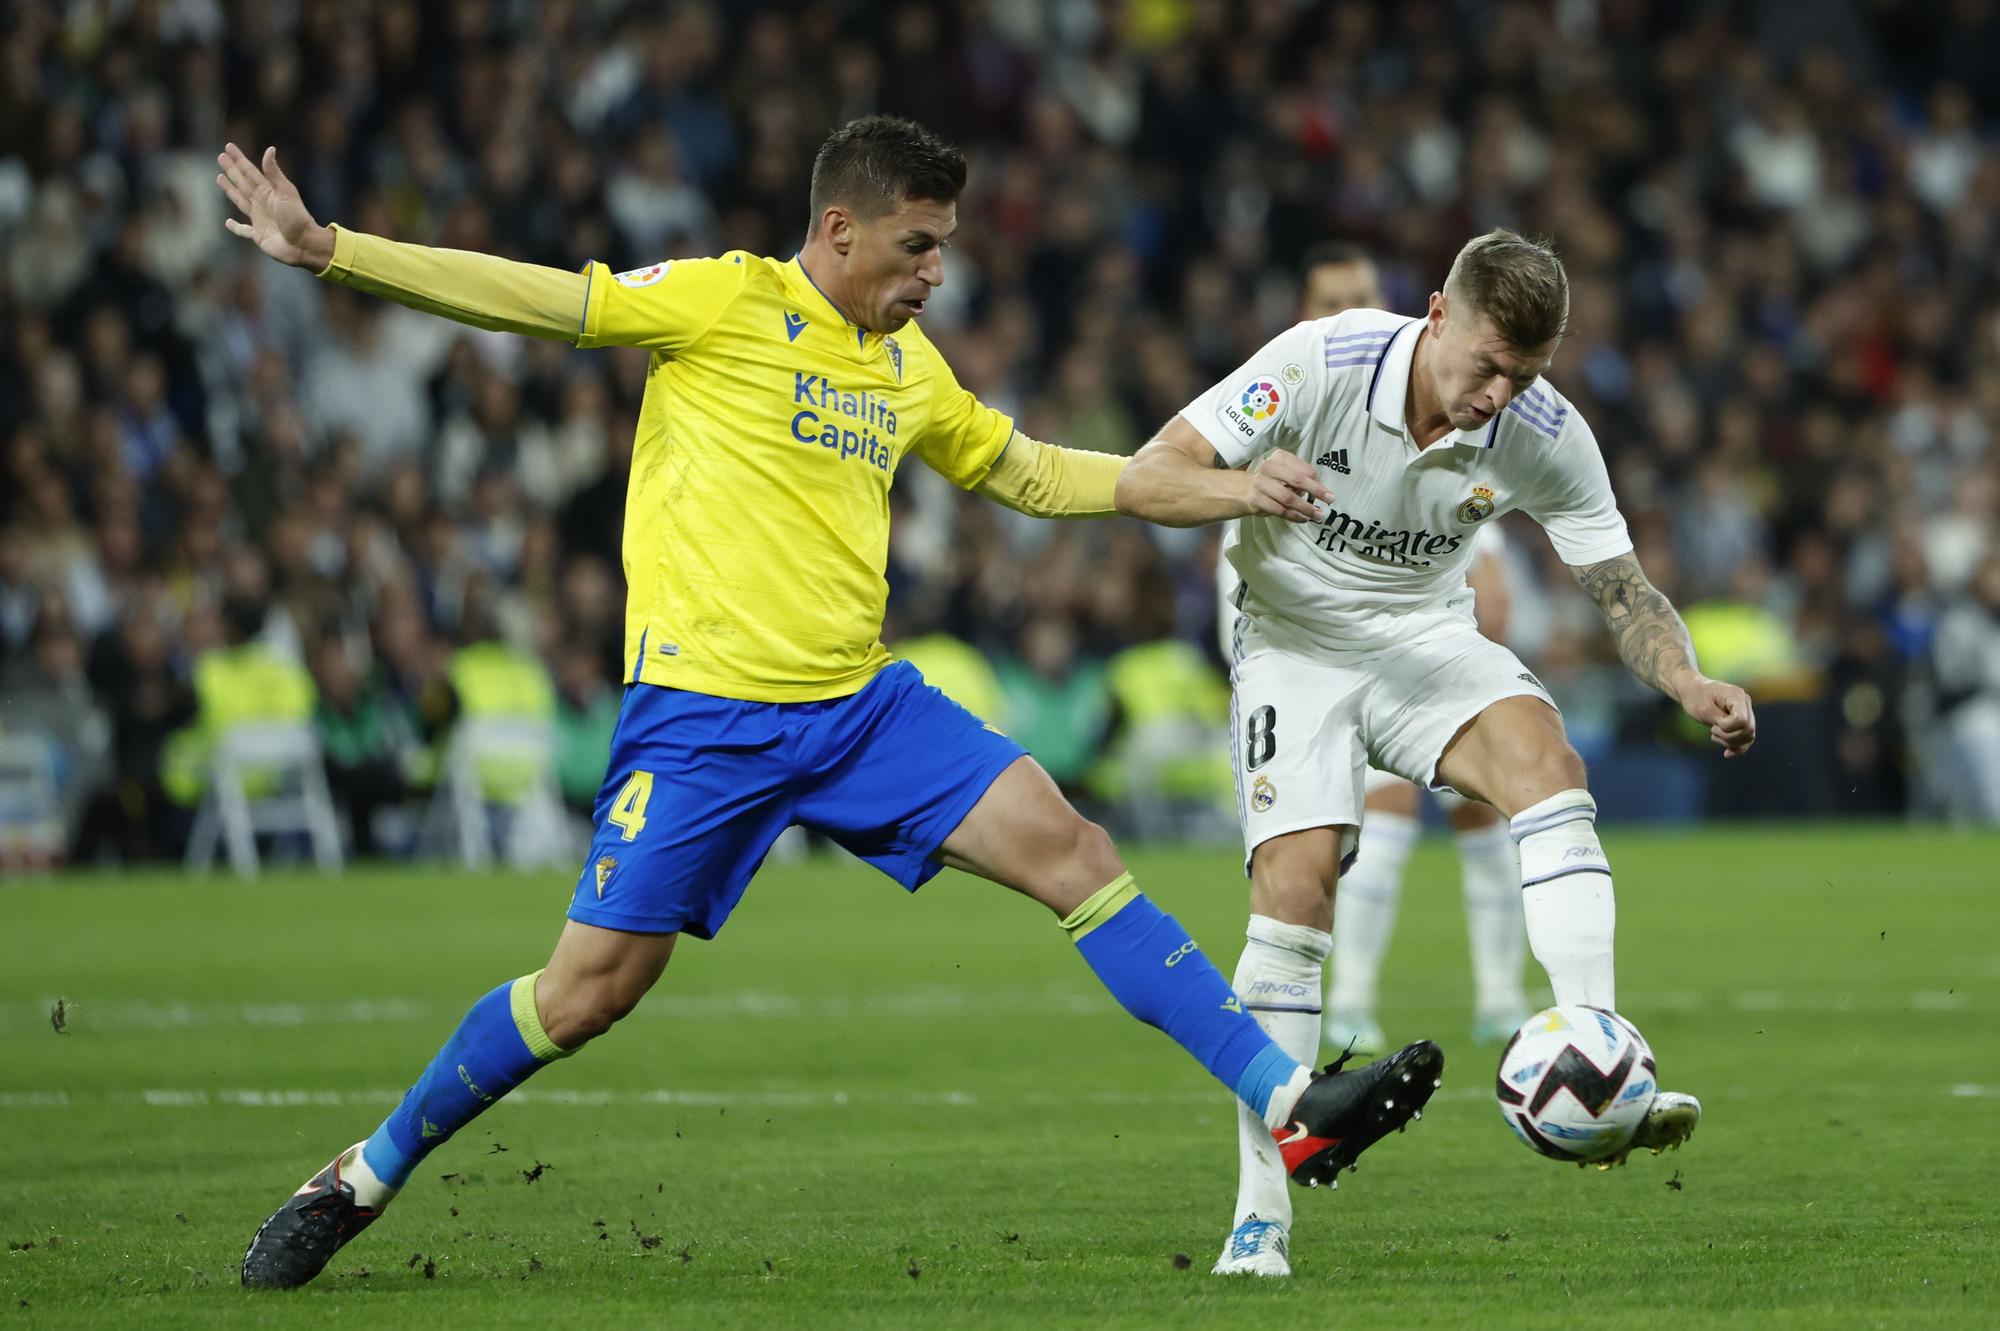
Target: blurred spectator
[
  {"x": 242, "y": 680},
  {"x": 586, "y": 714},
  {"x": 45, "y": 694},
  {"x": 361, "y": 380},
  {"x": 150, "y": 698},
  {"x": 1057, "y": 703},
  {"x": 1163, "y": 763},
  {"x": 20, "y": 599},
  {"x": 365, "y": 740},
  {"x": 1967, "y": 667},
  {"x": 1781, "y": 237}
]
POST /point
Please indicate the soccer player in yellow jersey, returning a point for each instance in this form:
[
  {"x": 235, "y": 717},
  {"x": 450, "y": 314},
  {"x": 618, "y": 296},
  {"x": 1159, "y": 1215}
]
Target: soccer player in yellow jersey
[{"x": 781, "y": 398}]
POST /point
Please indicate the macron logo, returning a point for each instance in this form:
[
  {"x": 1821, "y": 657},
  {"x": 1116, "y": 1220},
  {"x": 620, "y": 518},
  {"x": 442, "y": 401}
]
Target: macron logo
[
  {"x": 794, "y": 325},
  {"x": 1334, "y": 461}
]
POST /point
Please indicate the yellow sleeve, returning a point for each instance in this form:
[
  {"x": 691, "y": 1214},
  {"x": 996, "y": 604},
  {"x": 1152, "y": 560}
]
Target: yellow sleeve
[
  {"x": 966, "y": 437},
  {"x": 664, "y": 308},
  {"x": 477, "y": 289},
  {"x": 1050, "y": 482}
]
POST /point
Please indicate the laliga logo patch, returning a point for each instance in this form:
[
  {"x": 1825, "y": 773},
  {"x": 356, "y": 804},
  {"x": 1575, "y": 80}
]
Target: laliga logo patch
[
  {"x": 1256, "y": 406},
  {"x": 1479, "y": 507},
  {"x": 642, "y": 277},
  {"x": 1263, "y": 795},
  {"x": 1260, "y": 400}
]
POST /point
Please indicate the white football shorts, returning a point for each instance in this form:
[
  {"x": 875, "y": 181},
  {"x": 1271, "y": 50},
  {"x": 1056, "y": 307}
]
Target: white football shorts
[
  {"x": 1305, "y": 729},
  {"x": 1447, "y": 799}
]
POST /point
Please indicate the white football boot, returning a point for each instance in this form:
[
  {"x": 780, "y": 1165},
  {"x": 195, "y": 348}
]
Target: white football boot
[
  {"x": 1671, "y": 1121},
  {"x": 1257, "y": 1247}
]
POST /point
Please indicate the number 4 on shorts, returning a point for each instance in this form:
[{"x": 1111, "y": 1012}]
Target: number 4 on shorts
[{"x": 628, "y": 811}]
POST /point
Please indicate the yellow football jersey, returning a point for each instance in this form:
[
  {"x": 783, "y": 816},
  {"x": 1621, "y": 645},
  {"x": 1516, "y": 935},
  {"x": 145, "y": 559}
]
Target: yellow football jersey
[{"x": 757, "y": 517}]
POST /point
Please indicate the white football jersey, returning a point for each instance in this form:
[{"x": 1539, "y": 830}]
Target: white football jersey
[
  {"x": 1398, "y": 540},
  {"x": 1491, "y": 548}
]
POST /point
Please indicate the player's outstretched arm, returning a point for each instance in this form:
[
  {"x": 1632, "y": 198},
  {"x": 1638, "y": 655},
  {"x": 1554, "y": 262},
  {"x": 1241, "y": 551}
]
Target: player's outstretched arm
[
  {"x": 1048, "y": 481},
  {"x": 1654, "y": 644},
  {"x": 1178, "y": 480},
  {"x": 477, "y": 289}
]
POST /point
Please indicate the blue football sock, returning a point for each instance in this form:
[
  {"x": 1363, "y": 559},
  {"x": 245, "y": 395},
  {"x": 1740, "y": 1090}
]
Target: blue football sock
[
  {"x": 1153, "y": 968},
  {"x": 499, "y": 1045}
]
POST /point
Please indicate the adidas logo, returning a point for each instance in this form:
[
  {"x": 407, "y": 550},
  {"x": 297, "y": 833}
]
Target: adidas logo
[{"x": 1334, "y": 461}]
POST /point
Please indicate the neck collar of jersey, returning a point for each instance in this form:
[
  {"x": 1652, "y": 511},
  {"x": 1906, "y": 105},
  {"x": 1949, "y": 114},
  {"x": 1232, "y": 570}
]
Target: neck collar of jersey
[
  {"x": 1390, "y": 389},
  {"x": 802, "y": 280}
]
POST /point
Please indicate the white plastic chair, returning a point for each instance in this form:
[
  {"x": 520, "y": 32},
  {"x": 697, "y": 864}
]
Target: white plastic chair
[
  {"x": 31, "y": 822},
  {"x": 286, "y": 753},
  {"x": 1148, "y": 754},
  {"x": 462, "y": 819}
]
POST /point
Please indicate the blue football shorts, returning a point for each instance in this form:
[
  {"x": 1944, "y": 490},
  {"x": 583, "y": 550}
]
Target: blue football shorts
[{"x": 699, "y": 787}]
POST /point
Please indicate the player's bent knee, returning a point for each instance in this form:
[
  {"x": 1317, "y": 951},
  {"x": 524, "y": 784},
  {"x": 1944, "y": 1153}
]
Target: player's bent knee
[
  {"x": 582, "y": 1012},
  {"x": 1075, "y": 861},
  {"x": 594, "y": 978},
  {"x": 1091, "y": 850},
  {"x": 1562, "y": 769},
  {"x": 1291, "y": 900},
  {"x": 1293, "y": 877}
]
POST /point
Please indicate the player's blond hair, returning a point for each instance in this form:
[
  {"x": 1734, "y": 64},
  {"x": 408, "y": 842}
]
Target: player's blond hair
[{"x": 1517, "y": 283}]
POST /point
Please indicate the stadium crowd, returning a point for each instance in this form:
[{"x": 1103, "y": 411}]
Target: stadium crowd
[{"x": 1781, "y": 225}]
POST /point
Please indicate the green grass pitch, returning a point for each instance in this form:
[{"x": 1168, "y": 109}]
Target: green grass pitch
[{"x": 856, "y": 1110}]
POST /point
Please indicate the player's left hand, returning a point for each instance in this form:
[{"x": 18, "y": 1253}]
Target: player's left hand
[
  {"x": 1285, "y": 485},
  {"x": 1725, "y": 709},
  {"x": 278, "y": 222}
]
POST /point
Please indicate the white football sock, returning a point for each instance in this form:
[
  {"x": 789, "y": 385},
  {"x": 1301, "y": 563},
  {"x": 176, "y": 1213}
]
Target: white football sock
[
  {"x": 1566, "y": 897},
  {"x": 1364, "y": 912},
  {"x": 1278, "y": 1112},
  {"x": 1490, "y": 879},
  {"x": 368, "y": 1189},
  {"x": 1278, "y": 980}
]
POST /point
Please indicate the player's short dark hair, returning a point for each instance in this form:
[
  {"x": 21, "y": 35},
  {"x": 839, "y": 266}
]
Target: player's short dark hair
[
  {"x": 1517, "y": 283},
  {"x": 1328, "y": 253},
  {"x": 873, "y": 164}
]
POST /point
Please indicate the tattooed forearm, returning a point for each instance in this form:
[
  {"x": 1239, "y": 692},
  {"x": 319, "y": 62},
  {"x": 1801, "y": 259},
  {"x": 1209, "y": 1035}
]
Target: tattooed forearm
[{"x": 1650, "y": 635}]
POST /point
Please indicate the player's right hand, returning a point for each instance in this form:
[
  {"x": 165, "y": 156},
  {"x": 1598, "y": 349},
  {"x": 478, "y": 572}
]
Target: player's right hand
[
  {"x": 1725, "y": 709},
  {"x": 1285, "y": 485},
  {"x": 278, "y": 220}
]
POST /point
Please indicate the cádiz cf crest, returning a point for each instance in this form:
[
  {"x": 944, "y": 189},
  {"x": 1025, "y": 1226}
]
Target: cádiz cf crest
[
  {"x": 895, "y": 357},
  {"x": 1479, "y": 507},
  {"x": 604, "y": 868}
]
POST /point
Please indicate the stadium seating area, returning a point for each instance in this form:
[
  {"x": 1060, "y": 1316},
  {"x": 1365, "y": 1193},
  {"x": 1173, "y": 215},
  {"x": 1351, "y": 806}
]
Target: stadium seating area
[{"x": 1782, "y": 243}]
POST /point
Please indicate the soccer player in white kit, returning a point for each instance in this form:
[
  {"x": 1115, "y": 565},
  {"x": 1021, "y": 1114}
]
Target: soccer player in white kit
[
  {"x": 1356, "y": 643},
  {"x": 1337, "y": 277}
]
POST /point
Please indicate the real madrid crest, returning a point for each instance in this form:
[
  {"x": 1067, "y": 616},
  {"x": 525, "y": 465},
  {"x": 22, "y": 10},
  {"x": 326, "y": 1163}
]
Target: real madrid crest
[
  {"x": 1479, "y": 507},
  {"x": 1263, "y": 795}
]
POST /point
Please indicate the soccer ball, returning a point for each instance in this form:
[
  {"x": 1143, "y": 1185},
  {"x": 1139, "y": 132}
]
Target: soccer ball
[{"x": 1576, "y": 1082}]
